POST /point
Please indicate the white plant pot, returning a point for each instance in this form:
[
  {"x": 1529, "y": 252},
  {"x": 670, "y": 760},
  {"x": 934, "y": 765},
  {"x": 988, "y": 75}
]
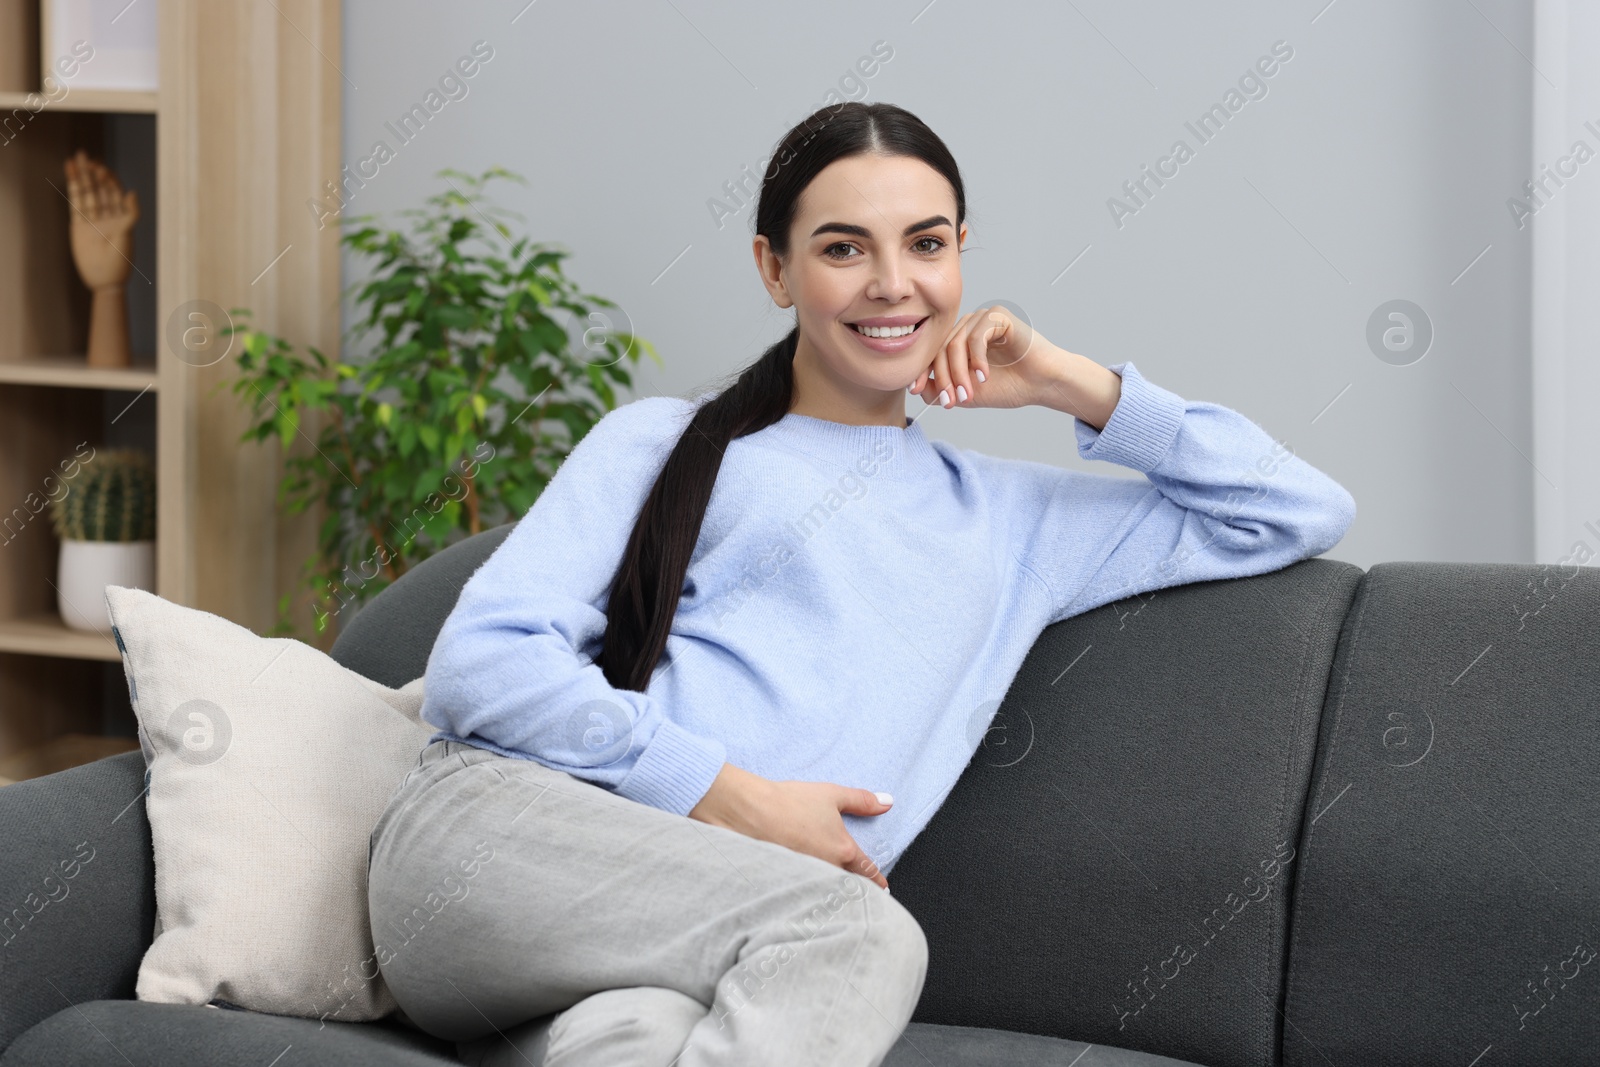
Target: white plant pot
[{"x": 87, "y": 567}]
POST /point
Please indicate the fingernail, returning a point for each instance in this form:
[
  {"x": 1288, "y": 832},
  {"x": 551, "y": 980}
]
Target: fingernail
[
  {"x": 944, "y": 397},
  {"x": 884, "y": 798},
  {"x": 981, "y": 378},
  {"x": 961, "y": 393},
  {"x": 886, "y": 890}
]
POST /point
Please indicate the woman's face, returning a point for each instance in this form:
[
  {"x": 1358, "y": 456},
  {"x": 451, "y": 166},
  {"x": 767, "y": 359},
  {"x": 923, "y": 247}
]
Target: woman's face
[{"x": 874, "y": 238}]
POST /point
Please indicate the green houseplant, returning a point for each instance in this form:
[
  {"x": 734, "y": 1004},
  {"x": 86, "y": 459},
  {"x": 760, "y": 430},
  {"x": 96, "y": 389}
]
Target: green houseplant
[
  {"x": 106, "y": 519},
  {"x": 486, "y": 366}
]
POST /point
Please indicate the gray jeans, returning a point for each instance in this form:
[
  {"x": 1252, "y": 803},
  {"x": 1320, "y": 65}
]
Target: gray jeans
[{"x": 535, "y": 918}]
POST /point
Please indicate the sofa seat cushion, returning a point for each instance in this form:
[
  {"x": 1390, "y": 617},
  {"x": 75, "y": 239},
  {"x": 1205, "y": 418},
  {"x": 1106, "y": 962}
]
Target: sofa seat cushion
[
  {"x": 115, "y": 1033},
  {"x": 936, "y": 1045}
]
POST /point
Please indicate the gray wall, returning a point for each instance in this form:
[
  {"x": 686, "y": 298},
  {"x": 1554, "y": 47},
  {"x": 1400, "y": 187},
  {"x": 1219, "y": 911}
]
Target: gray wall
[{"x": 1377, "y": 166}]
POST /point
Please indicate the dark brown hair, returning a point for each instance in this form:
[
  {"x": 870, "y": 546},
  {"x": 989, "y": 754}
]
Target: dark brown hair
[{"x": 649, "y": 580}]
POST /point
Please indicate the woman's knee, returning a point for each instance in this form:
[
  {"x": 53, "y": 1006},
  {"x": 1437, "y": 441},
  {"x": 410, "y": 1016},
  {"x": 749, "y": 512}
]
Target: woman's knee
[
  {"x": 901, "y": 937},
  {"x": 853, "y": 908}
]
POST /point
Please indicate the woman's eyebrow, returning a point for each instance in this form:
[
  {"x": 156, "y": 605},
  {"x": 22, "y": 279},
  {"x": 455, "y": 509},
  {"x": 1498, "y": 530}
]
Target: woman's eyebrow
[{"x": 861, "y": 231}]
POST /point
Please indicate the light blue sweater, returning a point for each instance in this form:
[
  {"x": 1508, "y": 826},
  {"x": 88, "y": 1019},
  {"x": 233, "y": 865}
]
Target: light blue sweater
[{"x": 860, "y": 597}]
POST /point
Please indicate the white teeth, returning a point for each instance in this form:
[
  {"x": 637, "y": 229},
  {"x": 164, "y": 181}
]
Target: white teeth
[{"x": 886, "y": 331}]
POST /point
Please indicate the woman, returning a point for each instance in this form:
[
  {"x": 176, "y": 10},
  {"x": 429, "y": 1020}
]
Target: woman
[{"x": 707, "y": 691}]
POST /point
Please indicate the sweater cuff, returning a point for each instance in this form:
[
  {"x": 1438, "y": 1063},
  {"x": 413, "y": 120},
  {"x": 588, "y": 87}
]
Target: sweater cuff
[
  {"x": 1141, "y": 428},
  {"x": 675, "y": 769}
]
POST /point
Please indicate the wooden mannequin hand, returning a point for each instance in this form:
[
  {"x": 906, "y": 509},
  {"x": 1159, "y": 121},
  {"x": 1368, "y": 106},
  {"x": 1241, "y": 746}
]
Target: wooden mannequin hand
[
  {"x": 803, "y": 816},
  {"x": 103, "y": 216}
]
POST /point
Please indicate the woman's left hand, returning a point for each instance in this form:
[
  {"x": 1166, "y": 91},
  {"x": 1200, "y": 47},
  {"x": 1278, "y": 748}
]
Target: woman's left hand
[{"x": 1018, "y": 365}]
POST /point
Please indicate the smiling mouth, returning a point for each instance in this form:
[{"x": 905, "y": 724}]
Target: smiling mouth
[{"x": 920, "y": 323}]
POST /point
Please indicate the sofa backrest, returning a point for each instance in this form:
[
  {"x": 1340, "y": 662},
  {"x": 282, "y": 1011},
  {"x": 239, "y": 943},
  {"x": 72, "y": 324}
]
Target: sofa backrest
[
  {"x": 1114, "y": 865},
  {"x": 389, "y": 638},
  {"x": 1447, "y": 908}
]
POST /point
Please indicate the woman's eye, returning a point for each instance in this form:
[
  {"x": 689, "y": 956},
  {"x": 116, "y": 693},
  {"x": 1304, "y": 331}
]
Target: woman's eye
[{"x": 937, "y": 243}]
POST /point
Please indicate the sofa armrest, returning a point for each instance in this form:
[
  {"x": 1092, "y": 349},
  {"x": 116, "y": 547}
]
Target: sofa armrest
[{"x": 77, "y": 889}]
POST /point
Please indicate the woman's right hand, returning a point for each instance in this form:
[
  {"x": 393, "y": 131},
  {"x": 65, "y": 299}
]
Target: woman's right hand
[{"x": 804, "y": 816}]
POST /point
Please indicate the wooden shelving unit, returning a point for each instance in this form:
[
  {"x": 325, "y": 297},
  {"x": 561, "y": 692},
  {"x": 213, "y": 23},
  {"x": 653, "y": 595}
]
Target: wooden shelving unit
[
  {"x": 69, "y": 372},
  {"x": 242, "y": 133},
  {"x": 93, "y": 100}
]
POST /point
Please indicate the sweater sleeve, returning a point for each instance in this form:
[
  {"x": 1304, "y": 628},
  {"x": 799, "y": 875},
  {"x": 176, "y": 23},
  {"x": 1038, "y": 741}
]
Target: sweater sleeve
[
  {"x": 514, "y": 661},
  {"x": 1220, "y": 498}
]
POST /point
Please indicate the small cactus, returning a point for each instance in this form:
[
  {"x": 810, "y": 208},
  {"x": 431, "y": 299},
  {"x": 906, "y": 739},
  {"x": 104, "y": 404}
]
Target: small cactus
[{"x": 112, "y": 497}]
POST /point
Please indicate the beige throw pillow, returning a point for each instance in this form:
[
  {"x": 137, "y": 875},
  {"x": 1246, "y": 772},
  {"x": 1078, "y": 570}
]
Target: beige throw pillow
[{"x": 268, "y": 766}]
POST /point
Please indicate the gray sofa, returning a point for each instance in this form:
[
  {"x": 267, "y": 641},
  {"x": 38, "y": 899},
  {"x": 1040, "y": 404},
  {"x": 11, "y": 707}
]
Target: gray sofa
[{"x": 1320, "y": 817}]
